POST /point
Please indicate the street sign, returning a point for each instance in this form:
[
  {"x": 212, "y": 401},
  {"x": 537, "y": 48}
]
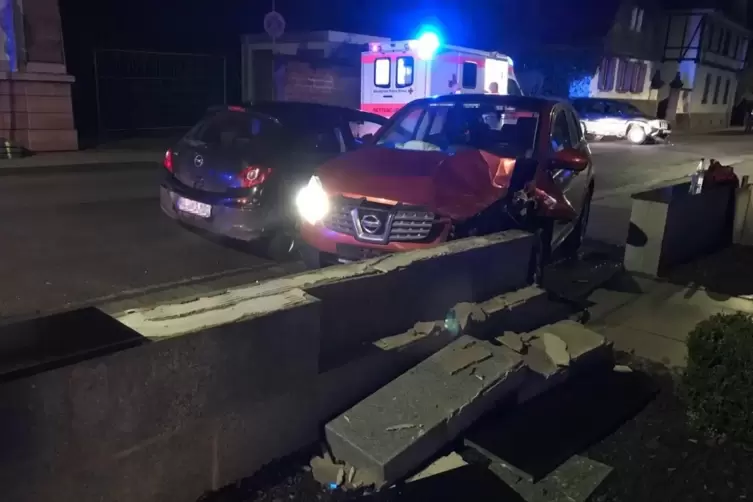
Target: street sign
[{"x": 274, "y": 24}]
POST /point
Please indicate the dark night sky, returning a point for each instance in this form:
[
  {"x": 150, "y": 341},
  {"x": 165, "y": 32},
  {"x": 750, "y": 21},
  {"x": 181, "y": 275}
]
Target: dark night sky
[{"x": 216, "y": 24}]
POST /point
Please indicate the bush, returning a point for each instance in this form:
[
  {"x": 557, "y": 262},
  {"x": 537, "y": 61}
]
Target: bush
[{"x": 718, "y": 382}]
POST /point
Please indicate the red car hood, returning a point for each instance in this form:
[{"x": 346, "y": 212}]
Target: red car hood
[{"x": 456, "y": 185}]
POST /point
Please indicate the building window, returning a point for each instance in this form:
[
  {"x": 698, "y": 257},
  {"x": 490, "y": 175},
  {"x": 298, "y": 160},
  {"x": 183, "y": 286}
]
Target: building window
[
  {"x": 382, "y": 72},
  {"x": 706, "y": 89},
  {"x": 726, "y": 42},
  {"x": 636, "y": 20},
  {"x": 631, "y": 76},
  {"x": 717, "y": 87},
  {"x": 404, "y": 77},
  {"x": 719, "y": 41},
  {"x": 726, "y": 91},
  {"x": 736, "y": 47},
  {"x": 710, "y": 39},
  {"x": 607, "y": 70},
  {"x": 470, "y": 75},
  {"x": 639, "y": 77}
]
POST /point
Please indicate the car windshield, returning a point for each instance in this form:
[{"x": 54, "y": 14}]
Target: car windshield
[
  {"x": 446, "y": 126},
  {"x": 235, "y": 129}
]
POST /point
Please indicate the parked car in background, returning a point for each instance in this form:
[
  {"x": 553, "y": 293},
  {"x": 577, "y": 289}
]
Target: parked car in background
[
  {"x": 451, "y": 167},
  {"x": 619, "y": 119},
  {"x": 236, "y": 172}
]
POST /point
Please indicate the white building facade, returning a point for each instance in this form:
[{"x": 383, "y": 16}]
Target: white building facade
[{"x": 707, "y": 51}]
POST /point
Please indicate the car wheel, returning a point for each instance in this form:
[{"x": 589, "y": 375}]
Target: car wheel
[
  {"x": 636, "y": 135},
  {"x": 574, "y": 241},
  {"x": 280, "y": 246}
]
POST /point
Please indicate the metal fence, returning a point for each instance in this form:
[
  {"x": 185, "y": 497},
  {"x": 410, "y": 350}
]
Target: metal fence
[{"x": 151, "y": 92}]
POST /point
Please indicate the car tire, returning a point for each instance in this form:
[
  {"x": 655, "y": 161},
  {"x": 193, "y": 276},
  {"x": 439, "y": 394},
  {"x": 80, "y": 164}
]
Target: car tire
[
  {"x": 572, "y": 244},
  {"x": 279, "y": 246},
  {"x": 636, "y": 135}
]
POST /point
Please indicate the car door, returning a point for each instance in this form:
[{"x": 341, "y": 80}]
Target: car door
[{"x": 565, "y": 134}]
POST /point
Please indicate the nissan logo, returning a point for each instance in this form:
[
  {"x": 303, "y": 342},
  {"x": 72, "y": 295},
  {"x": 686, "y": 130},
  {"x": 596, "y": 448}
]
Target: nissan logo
[
  {"x": 198, "y": 161},
  {"x": 371, "y": 224}
]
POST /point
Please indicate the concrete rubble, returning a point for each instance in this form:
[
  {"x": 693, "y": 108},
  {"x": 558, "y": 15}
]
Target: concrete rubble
[{"x": 398, "y": 428}]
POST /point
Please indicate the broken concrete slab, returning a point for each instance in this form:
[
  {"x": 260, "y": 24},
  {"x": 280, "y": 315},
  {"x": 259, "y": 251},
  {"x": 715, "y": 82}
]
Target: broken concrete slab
[
  {"x": 522, "y": 310},
  {"x": 556, "y": 350},
  {"x": 583, "y": 345},
  {"x": 441, "y": 465},
  {"x": 554, "y": 347},
  {"x": 431, "y": 405},
  {"x": 466, "y": 319},
  {"x": 459, "y": 357},
  {"x": 512, "y": 341},
  {"x": 574, "y": 481}
]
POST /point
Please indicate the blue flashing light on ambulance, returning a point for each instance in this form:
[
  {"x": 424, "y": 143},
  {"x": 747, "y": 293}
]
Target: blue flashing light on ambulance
[{"x": 395, "y": 73}]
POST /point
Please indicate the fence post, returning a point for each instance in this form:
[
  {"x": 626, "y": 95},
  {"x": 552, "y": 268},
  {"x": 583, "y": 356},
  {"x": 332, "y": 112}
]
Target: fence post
[
  {"x": 100, "y": 130},
  {"x": 224, "y": 80}
]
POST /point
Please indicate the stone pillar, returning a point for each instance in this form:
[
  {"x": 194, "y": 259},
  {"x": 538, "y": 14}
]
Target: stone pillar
[{"x": 35, "y": 89}]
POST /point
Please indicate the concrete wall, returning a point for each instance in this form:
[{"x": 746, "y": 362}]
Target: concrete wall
[{"x": 233, "y": 380}]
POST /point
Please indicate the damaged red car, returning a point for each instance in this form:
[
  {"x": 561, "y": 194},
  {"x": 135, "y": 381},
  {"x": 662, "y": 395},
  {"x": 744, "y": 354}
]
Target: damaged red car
[{"x": 450, "y": 167}]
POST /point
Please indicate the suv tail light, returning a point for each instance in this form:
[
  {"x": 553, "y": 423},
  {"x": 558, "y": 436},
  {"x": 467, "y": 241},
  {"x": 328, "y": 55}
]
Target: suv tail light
[
  {"x": 254, "y": 175},
  {"x": 168, "y": 161}
]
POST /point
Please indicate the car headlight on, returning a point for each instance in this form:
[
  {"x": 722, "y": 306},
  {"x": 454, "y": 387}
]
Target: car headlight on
[{"x": 312, "y": 201}]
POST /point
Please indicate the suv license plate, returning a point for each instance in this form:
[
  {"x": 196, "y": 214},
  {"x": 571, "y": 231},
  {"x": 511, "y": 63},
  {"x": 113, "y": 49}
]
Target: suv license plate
[{"x": 194, "y": 207}]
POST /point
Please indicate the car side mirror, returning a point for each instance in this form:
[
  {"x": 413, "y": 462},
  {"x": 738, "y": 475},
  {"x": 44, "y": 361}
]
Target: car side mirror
[{"x": 570, "y": 159}]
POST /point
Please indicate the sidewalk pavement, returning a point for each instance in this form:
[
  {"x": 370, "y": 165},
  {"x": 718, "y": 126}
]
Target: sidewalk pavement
[
  {"x": 104, "y": 157},
  {"x": 652, "y": 317}
]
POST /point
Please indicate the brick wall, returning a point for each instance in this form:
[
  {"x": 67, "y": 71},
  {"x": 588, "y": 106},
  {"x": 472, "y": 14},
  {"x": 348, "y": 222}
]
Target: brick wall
[
  {"x": 37, "y": 114},
  {"x": 332, "y": 84}
]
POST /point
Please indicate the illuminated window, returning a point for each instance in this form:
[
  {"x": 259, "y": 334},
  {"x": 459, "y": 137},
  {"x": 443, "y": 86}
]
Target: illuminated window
[
  {"x": 636, "y": 19},
  {"x": 382, "y": 70},
  {"x": 470, "y": 75},
  {"x": 404, "y": 71}
]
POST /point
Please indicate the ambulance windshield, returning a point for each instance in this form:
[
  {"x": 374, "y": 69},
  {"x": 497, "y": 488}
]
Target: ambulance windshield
[{"x": 449, "y": 127}]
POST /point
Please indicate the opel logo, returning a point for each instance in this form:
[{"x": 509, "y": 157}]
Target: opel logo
[
  {"x": 198, "y": 161},
  {"x": 370, "y": 224}
]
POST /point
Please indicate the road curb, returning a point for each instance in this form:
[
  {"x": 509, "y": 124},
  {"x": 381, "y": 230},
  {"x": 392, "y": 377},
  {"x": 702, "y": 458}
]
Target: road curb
[{"x": 42, "y": 170}]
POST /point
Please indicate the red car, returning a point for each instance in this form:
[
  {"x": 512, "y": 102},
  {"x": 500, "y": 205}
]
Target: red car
[{"x": 450, "y": 167}]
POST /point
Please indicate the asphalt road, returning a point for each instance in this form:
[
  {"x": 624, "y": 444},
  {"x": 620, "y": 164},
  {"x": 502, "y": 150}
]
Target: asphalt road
[{"x": 70, "y": 238}]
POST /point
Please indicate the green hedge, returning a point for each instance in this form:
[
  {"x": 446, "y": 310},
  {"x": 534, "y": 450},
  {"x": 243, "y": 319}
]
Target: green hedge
[{"x": 718, "y": 382}]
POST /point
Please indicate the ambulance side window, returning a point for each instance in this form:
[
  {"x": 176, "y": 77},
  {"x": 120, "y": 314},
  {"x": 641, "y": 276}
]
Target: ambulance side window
[
  {"x": 470, "y": 75},
  {"x": 382, "y": 72},
  {"x": 404, "y": 76}
]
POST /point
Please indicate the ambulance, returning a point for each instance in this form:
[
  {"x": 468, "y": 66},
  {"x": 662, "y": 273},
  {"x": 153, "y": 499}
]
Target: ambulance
[{"x": 395, "y": 73}]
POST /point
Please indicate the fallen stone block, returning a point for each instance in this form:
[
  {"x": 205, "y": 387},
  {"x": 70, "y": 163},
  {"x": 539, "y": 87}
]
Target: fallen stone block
[
  {"x": 584, "y": 346},
  {"x": 553, "y": 352},
  {"x": 521, "y": 311},
  {"x": 399, "y": 427},
  {"x": 574, "y": 481},
  {"x": 441, "y": 465}
]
